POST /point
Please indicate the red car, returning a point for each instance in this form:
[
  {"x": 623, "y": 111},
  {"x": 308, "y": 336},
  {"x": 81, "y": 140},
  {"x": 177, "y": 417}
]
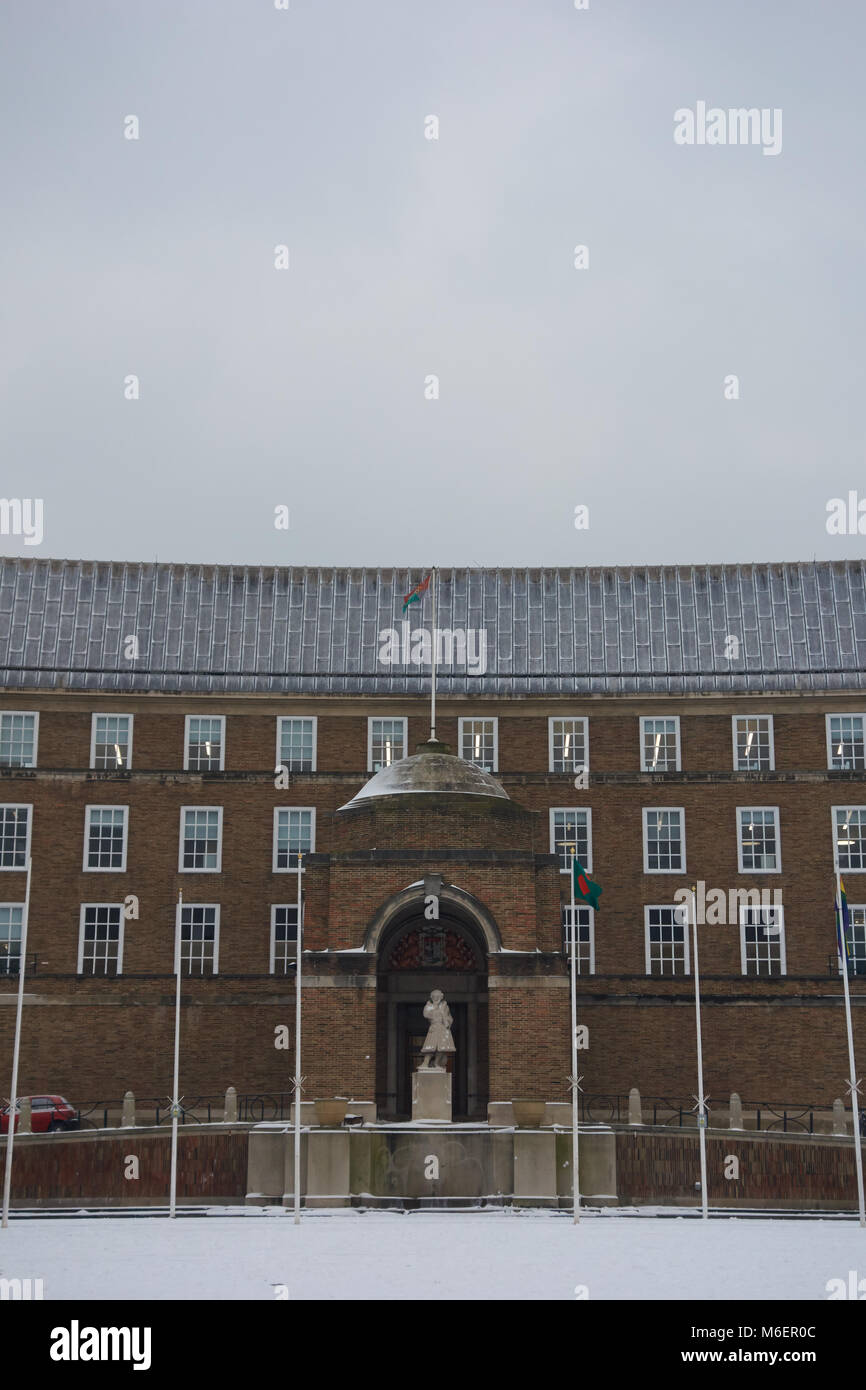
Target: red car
[{"x": 48, "y": 1113}]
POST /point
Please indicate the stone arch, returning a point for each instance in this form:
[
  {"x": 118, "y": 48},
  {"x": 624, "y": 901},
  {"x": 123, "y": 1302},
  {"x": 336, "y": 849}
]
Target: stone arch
[{"x": 411, "y": 899}]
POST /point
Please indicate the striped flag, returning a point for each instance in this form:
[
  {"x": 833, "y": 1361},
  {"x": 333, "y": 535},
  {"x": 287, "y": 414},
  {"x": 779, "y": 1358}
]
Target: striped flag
[
  {"x": 843, "y": 925},
  {"x": 414, "y": 596}
]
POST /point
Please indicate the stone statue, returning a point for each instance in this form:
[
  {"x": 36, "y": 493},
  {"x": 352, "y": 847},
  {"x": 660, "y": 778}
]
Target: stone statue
[{"x": 438, "y": 1042}]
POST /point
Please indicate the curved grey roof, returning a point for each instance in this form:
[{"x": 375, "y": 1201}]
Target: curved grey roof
[
  {"x": 430, "y": 773},
  {"x": 548, "y": 631}
]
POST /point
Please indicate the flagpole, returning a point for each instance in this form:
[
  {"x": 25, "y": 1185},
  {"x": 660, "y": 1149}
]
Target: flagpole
[
  {"x": 175, "y": 1100},
  {"x": 702, "y": 1114},
  {"x": 433, "y": 659},
  {"x": 300, "y": 939},
  {"x": 855, "y": 1110},
  {"x": 16, "y": 1050},
  {"x": 575, "y": 1152}
]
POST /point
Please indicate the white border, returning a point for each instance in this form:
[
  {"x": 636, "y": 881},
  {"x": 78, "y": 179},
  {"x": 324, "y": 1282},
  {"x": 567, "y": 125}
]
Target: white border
[
  {"x": 84, "y": 906},
  {"x": 645, "y": 811},
  {"x": 395, "y": 718},
  {"x": 843, "y": 714},
  {"x": 686, "y": 926},
  {"x": 273, "y": 955},
  {"x": 566, "y": 907},
  {"x": 284, "y": 719},
  {"x": 22, "y": 905},
  {"x": 222, "y": 720},
  {"x": 652, "y": 719},
  {"x": 740, "y": 868},
  {"x": 180, "y": 866},
  {"x": 27, "y": 714},
  {"x": 584, "y": 810},
  {"x": 281, "y": 810},
  {"x": 779, "y": 931},
  {"x": 769, "y": 718},
  {"x": 573, "y": 719},
  {"x": 833, "y": 843},
  {"x": 18, "y": 806},
  {"x": 107, "y": 714},
  {"x": 216, "y": 939},
  {"x": 88, "y": 868},
  {"x": 475, "y": 719}
]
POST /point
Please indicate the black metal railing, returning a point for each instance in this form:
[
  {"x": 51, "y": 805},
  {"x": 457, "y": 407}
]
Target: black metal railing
[
  {"x": 856, "y": 967},
  {"x": 11, "y": 965}
]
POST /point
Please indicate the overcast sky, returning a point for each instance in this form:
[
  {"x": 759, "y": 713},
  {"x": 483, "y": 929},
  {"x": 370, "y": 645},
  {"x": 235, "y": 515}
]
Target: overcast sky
[{"x": 411, "y": 257}]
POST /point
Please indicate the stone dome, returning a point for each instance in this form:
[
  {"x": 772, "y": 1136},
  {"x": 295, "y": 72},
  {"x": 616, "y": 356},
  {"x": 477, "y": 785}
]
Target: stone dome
[{"x": 432, "y": 770}]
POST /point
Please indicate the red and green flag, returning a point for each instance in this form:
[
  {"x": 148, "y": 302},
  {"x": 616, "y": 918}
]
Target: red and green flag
[
  {"x": 843, "y": 925},
  {"x": 585, "y": 890},
  {"x": 415, "y": 595}
]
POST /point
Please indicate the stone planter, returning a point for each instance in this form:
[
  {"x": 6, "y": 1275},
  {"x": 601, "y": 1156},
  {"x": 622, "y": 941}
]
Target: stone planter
[
  {"x": 330, "y": 1113},
  {"x": 528, "y": 1114}
]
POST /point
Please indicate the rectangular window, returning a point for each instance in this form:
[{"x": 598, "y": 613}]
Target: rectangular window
[
  {"x": 100, "y": 939},
  {"x": 478, "y": 739},
  {"x": 197, "y": 949},
  {"x": 570, "y": 836},
  {"x": 111, "y": 742},
  {"x": 585, "y": 937},
  {"x": 758, "y": 839},
  {"x": 856, "y": 941},
  {"x": 664, "y": 840},
  {"x": 666, "y": 940},
  {"x": 105, "y": 838},
  {"x": 845, "y": 742},
  {"x": 294, "y": 834},
  {"x": 18, "y": 739},
  {"x": 201, "y": 839},
  {"x": 762, "y": 940},
  {"x": 660, "y": 744},
  {"x": 284, "y": 938},
  {"x": 849, "y": 828},
  {"x": 568, "y": 745},
  {"x": 11, "y": 919},
  {"x": 386, "y": 742},
  {"x": 296, "y": 744},
  {"x": 753, "y": 743},
  {"x": 14, "y": 836},
  {"x": 205, "y": 744}
]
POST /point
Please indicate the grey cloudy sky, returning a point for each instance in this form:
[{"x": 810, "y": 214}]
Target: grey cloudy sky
[{"x": 411, "y": 256}]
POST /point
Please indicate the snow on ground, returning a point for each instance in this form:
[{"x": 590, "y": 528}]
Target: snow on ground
[{"x": 470, "y": 1255}]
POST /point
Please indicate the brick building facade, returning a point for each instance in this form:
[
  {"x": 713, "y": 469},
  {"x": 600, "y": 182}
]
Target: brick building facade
[{"x": 144, "y": 709}]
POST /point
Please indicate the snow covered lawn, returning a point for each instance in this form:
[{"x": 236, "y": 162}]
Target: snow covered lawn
[{"x": 474, "y": 1255}]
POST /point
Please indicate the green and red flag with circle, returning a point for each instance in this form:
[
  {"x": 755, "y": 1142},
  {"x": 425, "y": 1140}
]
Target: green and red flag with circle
[
  {"x": 585, "y": 890},
  {"x": 414, "y": 596}
]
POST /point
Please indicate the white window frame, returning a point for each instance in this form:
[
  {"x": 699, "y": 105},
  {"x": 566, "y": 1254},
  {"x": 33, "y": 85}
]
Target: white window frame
[
  {"x": 182, "y": 841},
  {"x": 107, "y": 714},
  {"x": 19, "y": 806},
  {"x": 281, "y": 810},
  {"x": 81, "y": 915},
  {"x": 652, "y": 719},
  {"x": 89, "y": 869},
  {"x": 8, "y": 974},
  {"x": 566, "y": 907},
  {"x": 839, "y": 714},
  {"x": 273, "y": 954},
  {"x": 852, "y": 907},
  {"x": 186, "y": 723},
  {"x": 674, "y": 907},
  {"x": 772, "y": 738},
  {"x": 778, "y": 930},
  {"x": 474, "y": 719},
  {"x": 740, "y": 868},
  {"x": 216, "y": 938},
  {"x": 395, "y": 719},
  {"x": 286, "y": 718},
  {"x": 581, "y": 810},
  {"x": 646, "y": 811},
  {"x": 833, "y": 842},
  {"x": 27, "y": 714},
  {"x": 573, "y": 719}
]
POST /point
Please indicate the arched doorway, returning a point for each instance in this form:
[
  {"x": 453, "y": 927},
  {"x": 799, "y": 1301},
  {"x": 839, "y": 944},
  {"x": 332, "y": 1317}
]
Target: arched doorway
[{"x": 416, "y": 956}]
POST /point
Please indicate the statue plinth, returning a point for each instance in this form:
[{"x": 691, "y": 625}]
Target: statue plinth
[{"x": 431, "y": 1094}]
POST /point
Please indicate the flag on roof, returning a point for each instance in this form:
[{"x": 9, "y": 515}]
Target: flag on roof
[{"x": 414, "y": 596}]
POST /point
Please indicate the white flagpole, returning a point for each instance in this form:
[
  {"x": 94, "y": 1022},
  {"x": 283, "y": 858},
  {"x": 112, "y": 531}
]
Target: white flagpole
[
  {"x": 575, "y": 1152},
  {"x": 16, "y": 1050},
  {"x": 175, "y": 1099},
  {"x": 702, "y": 1114},
  {"x": 433, "y": 661},
  {"x": 299, "y": 948},
  {"x": 855, "y": 1109}
]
